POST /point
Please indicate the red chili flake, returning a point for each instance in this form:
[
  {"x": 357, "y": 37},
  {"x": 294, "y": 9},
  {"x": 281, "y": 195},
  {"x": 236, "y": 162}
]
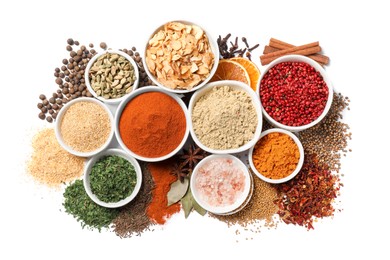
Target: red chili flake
[
  {"x": 293, "y": 93},
  {"x": 309, "y": 195}
]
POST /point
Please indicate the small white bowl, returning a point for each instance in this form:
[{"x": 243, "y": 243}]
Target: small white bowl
[
  {"x": 317, "y": 67},
  {"x": 299, "y": 165},
  {"x": 239, "y": 203},
  {"x": 114, "y": 101},
  {"x": 236, "y": 85},
  {"x": 87, "y": 170},
  {"x": 214, "y": 49},
  {"x": 59, "y": 120},
  {"x": 138, "y": 92}
]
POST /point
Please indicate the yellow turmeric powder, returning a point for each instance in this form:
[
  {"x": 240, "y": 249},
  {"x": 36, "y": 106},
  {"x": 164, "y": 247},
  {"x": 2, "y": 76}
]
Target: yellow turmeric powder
[{"x": 275, "y": 155}]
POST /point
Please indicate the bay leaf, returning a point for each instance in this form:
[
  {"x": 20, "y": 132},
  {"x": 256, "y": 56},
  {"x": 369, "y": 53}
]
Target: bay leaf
[
  {"x": 186, "y": 203},
  {"x": 177, "y": 191},
  {"x": 197, "y": 207}
]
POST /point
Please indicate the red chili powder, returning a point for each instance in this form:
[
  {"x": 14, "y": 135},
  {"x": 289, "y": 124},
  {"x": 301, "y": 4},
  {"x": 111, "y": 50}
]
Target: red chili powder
[
  {"x": 158, "y": 210},
  {"x": 152, "y": 124}
]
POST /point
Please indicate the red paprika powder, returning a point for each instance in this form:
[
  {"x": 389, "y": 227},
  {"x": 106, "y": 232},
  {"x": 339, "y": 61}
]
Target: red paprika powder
[
  {"x": 158, "y": 210},
  {"x": 152, "y": 124}
]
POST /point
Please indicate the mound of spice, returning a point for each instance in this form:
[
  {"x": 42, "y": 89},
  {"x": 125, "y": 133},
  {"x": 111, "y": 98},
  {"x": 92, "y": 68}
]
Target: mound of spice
[
  {"x": 328, "y": 140},
  {"x": 220, "y": 182},
  {"x": 152, "y": 124},
  {"x": 293, "y": 93},
  {"x": 158, "y": 209},
  {"x": 133, "y": 218},
  {"x": 260, "y": 208},
  {"x": 224, "y": 118},
  {"x": 50, "y": 164},
  {"x": 87, "y": 212},
  {"x": 180, "y": 56},
  {"x": 275, "y": 155},
  {"x": 112, "y": 178},
  {"x": 85, "y": 126},
  {"x": 112, "y": 76},
  {"x": 309, "y": 195}
]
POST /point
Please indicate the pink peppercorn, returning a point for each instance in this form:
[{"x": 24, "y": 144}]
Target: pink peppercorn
[{"x": 293, "y": 93}]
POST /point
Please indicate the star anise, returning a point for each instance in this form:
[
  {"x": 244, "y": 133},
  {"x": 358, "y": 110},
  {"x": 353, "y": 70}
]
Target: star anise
[
  {"x": 180, "y": 171},
  {"x": 192, "y": 156}
]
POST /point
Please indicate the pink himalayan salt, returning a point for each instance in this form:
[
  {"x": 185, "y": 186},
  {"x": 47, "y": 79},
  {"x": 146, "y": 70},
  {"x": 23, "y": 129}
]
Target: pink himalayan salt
[{"x": 220, "y": 182}]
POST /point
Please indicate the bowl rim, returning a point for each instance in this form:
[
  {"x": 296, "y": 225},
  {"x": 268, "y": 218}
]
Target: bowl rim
[
  {"x": 225, "y": 210},
  {"x": 114, "y": 101},
  {"x": 60, "y": 116},
  {"x": 300, "y": 162},
  {"x": 317, "y": 67},
  {"x": 255, "y": 101},
  {"x": 214, "y": 48},
  {"x": 87, "y": 170},
  {"x": 136, "y": 93}
]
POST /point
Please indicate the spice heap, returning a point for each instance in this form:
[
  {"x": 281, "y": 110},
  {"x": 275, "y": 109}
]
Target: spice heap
[
  {"x": 152, "y": 124},
  {"x": 112, "y": 76},
  {"x": 180, "y": 56},
  {"x": 112, "y": 178},
  {"x": 309, "y": 195},
  {"x": 133, "y": 218},
  {"x": 88, "y": 213},
  {"x": 278, "y": 48},
  {"x": 329, "y": 139},
  {"x": 293, "y": 93},
  {"x": 158, "y": 209},
  {"x": 220, "y": 182},
  {"x": 224, "y": 118},
  {"x": 260, "y": 208},
  {"x": 85, "y": 126},
  {"x": 275, "y": 155},
  {"x": 234, "y": 50},
  {"x": 50, "y": 164}
]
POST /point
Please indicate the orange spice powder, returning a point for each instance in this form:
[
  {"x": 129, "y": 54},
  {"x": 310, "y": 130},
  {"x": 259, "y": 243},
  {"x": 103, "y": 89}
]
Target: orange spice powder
[{"x": 276, "y": 155}]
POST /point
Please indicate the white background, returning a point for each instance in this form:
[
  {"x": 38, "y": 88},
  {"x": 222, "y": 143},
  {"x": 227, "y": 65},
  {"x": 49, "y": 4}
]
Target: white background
[{"x": 356, "y": 38}]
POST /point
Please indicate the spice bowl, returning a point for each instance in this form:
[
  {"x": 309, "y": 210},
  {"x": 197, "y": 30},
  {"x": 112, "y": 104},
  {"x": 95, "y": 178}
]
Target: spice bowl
[
  {"x": 74, "y": 137},
  {"x": 299, "y": 162},
  {"x": 190, "y": 66},
  {"x": 215, "y": 114},
  {"x": 309, "y": 107},
  {"x": 152, "y": 124},
  {"x": 114, "y": 73},
  {"x": 93, "y": 162},
  {"x": 221, "y": 184}
]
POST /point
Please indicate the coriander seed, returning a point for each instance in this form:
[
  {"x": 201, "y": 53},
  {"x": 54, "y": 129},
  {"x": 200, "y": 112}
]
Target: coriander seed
[{"x": 103, "y": 45}]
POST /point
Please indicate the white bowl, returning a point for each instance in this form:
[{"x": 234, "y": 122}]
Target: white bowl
[
  {"x": 239, "y": 203},
  {"x": 299, "y": 165},
  {"x": 59, "y": 120},
  {"x": 114, "y": 101},
  {"x": 317, "y": 67},
  {"x": 87, "y": 170},
  {"x": 214, "y": 49},
  {"x": 132, "y": 95},
  {"x": 236, "y": 85}
]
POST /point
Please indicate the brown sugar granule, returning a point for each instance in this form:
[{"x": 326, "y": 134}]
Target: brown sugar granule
[
  {"x": 329, "y": 139},
  {"x": 50, "y": 164},
  {"x": 85, "y": 126},
  {"x": 133, "y": 218},
  {"x": 260, "y": 207}
]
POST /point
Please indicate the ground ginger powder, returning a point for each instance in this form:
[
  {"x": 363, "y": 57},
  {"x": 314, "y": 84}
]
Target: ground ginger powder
[
  {"x": 224, "y": 118},
  {"x": 50, "y": 164}
]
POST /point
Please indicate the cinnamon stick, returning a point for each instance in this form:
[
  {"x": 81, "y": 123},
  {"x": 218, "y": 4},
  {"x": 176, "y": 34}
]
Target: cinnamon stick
[
  {"x": 269, "y": 49},
  {"x": 278, "y": 44},
  {"x": 307, "y": 49}
]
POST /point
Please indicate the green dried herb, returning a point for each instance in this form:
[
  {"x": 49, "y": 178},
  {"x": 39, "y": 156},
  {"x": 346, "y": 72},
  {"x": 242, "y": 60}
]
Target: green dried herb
[
  {"x": 189, "y": 203},
  {"x": 112, "y": 178},
  {"x": 78, "y": 204}
]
